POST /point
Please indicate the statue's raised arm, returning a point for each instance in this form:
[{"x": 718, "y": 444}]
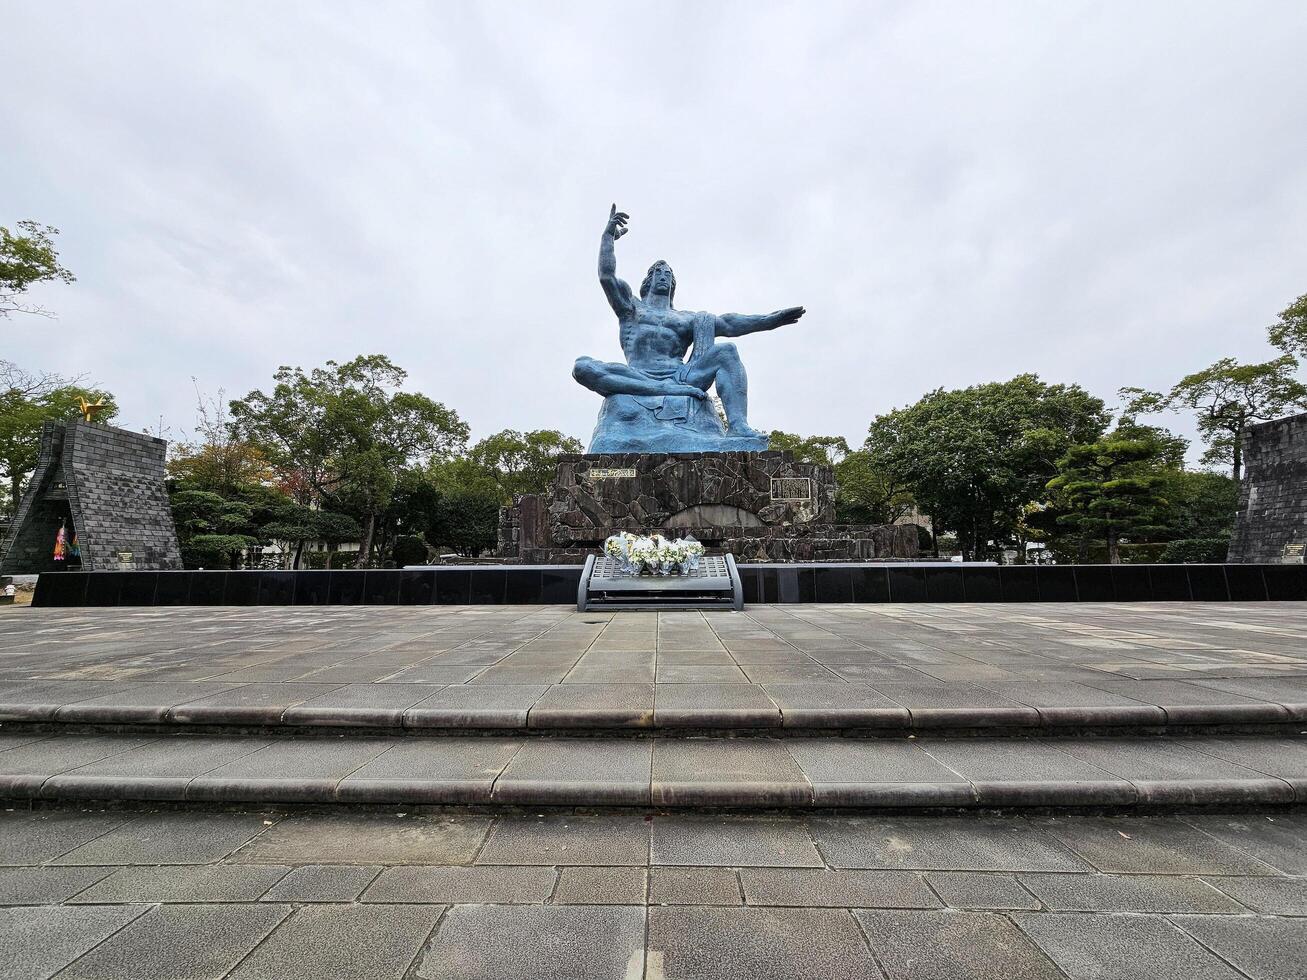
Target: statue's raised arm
[{"x": 617, "y": 291}]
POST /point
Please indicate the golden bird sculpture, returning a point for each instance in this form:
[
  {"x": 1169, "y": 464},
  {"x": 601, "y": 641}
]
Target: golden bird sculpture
[{"x": 91, "y": 409}]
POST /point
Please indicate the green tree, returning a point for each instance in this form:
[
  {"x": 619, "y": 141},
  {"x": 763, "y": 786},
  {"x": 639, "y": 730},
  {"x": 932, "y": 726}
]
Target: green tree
[
  {"x": 1226, "y": 398},
  {"x": 212, "y": 531},
  {"x": 346, "y": 430},
  {"x": 27, "y": 400},
  {"x": 523, "y": 462},
  {"x": 296, "y": 524},
  {"x": 1289, "y": 332},
  {"x": 1110, "y": 488},
  {"x": 27, "y": 257},
  {"x": 827, "y": 450},
  {"x": 974, "y": 458},
  {"x": 865, "y": 493},
  {"x": 467, "y": 515}
]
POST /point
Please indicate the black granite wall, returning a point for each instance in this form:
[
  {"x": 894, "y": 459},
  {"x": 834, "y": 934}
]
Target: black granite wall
[{"x": 763, "y": 583}]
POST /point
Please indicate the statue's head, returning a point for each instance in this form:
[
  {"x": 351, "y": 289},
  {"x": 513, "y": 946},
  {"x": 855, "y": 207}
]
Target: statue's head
[{"x": 659, "y": 280}]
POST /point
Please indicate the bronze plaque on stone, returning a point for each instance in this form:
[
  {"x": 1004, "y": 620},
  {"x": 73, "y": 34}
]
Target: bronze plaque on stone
[{"x": 608, "y": 473}]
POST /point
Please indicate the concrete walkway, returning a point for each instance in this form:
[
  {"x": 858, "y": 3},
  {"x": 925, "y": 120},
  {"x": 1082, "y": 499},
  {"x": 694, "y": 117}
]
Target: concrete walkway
[
  {"x": 881, "y": 667},
  {"x": 619, "y": 896}
]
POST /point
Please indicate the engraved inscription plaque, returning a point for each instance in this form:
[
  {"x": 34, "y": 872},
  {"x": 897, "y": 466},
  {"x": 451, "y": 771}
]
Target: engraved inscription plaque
[{"x": 791, "y": 488}]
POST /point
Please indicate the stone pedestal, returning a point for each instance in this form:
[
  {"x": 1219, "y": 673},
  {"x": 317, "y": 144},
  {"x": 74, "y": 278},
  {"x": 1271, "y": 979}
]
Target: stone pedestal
[
  {"x": 106, "y": 484},
  {"x": 762, "y": 506}
]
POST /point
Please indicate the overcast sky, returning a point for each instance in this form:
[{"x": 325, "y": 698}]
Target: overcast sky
[{"x": 1106, "y": 193}]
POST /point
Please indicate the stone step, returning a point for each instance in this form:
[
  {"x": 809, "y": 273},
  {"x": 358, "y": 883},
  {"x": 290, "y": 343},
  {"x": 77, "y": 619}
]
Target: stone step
[
  {"x": 1110, "y": 706},
  {"x": 760, "y": 771}
]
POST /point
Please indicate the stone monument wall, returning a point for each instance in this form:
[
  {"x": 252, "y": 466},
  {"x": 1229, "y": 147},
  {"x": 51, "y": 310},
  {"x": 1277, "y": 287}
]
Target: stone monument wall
[
  {"x": 105, "y": 483},
  {"x": 763, "y": 506},
  {"x": 1271, "y": 525}
]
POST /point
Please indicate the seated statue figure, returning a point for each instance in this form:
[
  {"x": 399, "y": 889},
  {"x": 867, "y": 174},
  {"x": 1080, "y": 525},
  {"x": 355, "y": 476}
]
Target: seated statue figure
[{"x": 657, "y": 401}]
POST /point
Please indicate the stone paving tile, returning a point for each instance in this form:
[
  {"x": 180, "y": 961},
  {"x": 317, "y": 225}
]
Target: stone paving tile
[
  {"x": 290, "y": 771},
  {"x": 1025, "y": 772},
  {"x": 159, "y": 770},
  {"x": 1291, "y": 692},
  {"x": 710, "y": 705},
  {"x": 380, "y": 705},
  {"x": 600, "y": 886},
  {"x": 1169, "y": 771},
  {"x": 456, "y": 885},
  {"x": 1189, "y": 704},
  {"x": 357, "y": 838},
  {"x": 950, "y": 944},
  {"x": 984, "y": 892},
  {"x": 582, "y": 771},
  {"x": 46, "y": 886},
  {"x": 865, "y": 772},
  {"x": 691, "y": 943},
  {"x": 1283, "y": 758},
  {"x": 1069, "y": 703},
  {"x": 567, "y": 840},
  {"x": 445, "y": 770},
  {"x": 729, "y": 841},
  {"x": 170, "y": 838},
  {"x": 252, "y": 704},
  {"x": 322, "y": 883},
  {"x": 179, "y": 942},
  {"x": 826, "y": 705},
  {"x": 822, "y": 888},
  {"x": 39, "y": 836},
  {"x": 1149, "y": 845},
  {"x": 941, "y": 704},
  {"x": 694, "y": 886},
  {"x": 598, "y": 673},
  {"x": 1128, "y": 893},
  {"x": 138, "y": 702},
  {"x": 1264, "y": 949},
  {"x": 200, "y": 883},
  {"x": 1270, "y": 896},
  {"x": 1279, "y": 840},
  {"x": 383, "y": 942},
  {"x": 941, "y": 843},
  {"x": 1124, "y": 947},
  {"x": 37, "y": 942},
  {"x": 39, "y": 700},
  {"x": 537, "y": 943},
  {"x": 476, "y": 706},
  {"x": 25, "y": 768},
  {"x": 725, "y": 772},
  {"x": 574, "y": 705}
]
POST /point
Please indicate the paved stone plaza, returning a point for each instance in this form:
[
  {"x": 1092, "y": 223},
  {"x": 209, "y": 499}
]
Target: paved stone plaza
[
  {"x": 902, "y": 791},
  {"x": 139, "y": 895}
]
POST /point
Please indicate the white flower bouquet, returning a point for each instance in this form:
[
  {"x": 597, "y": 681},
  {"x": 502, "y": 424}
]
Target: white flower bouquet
[{"x": 653, "y": 554}]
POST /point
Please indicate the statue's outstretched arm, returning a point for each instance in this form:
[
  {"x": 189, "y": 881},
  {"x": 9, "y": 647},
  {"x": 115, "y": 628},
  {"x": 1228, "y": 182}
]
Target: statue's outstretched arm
[
  {"x": 617, "y": 291},
  {"x": 739, "y": 324}
]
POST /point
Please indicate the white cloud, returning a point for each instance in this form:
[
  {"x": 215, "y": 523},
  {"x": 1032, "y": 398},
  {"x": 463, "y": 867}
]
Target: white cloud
[{"x": 1107, "y": 193}]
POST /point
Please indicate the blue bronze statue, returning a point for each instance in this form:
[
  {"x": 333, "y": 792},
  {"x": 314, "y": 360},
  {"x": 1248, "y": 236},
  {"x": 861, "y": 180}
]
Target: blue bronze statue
[{"x": 657, "y": 402}]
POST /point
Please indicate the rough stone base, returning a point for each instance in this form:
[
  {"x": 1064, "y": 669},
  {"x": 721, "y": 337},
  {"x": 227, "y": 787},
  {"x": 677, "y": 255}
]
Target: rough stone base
[{"x": 757, "y": 506}]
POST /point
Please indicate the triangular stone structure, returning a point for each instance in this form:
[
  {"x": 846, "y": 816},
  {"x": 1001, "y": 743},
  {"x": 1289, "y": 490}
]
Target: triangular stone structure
[{"x": 106, "y": 484}]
